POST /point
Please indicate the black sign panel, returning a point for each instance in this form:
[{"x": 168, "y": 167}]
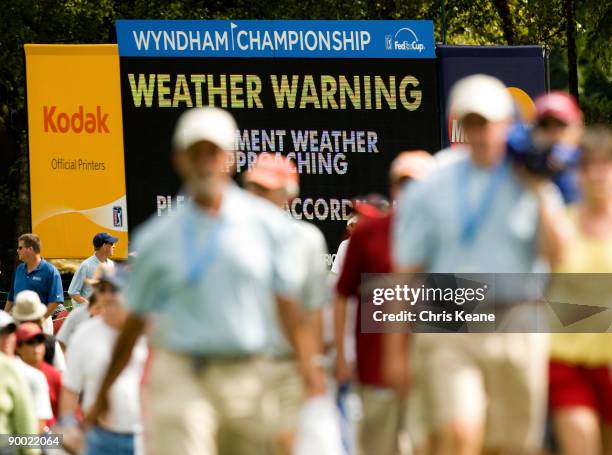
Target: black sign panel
[{"x": 342, "y": 121}]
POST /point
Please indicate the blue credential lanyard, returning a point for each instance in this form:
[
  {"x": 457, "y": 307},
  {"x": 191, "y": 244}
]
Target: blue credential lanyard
[
  {"x": 199, "y": 260},
  {"x": 472, "y": 220}
]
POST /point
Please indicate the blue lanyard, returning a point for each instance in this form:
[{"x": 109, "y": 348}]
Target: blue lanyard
[
  {"x": 473, "y": 219},
  {"x": 199, "y": 260}
]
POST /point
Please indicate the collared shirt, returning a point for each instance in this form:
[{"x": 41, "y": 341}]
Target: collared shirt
[
  {"x": 369, "y": 251},
  {"x": 45, "y": 280},
  {"x": 16, "y": 407},
  {"x": 77, "y": 317},
  {"x": 85, "y": 272},
  {"x": 223, "y": 309},
  {"x": 427, "y": 228},
  {"x": 308, "y": 250}
]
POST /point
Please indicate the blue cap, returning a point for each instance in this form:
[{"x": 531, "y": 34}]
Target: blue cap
[{"x": 102, "y": 238}]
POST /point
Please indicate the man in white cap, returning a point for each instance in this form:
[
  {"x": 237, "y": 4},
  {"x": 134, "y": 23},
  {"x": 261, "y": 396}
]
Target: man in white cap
[
  {"x": 210, "y": 274},
  {"x": 370, "y": 252},
  {"x": 276, "y": 180},
  {"x": 477, "y": 214}
]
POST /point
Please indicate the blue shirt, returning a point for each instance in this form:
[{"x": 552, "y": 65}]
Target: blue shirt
[
  {"x": 427, "y": 229},
  {"x": 86, "y": 271},
  {"x": 45, "y": 280},
  {"x": 223, "y": 310}
]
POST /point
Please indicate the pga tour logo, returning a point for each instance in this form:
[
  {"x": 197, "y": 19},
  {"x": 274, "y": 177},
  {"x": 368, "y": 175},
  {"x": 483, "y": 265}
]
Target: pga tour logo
[
  {"x": 118, "y": 216},
  {"x": 404, "y": 40}
]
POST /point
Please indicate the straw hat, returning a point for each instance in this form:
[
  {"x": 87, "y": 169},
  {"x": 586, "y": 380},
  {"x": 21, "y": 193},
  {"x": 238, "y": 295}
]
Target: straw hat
[{"x": 28, "y": 307}]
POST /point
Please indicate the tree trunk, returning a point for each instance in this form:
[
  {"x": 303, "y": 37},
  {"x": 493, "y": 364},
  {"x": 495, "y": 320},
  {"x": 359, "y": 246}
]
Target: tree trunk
[
  {"x": 23, "y": 222},
  {"x": 503, "y": 9},
  {"x": 572, "y": 60}
]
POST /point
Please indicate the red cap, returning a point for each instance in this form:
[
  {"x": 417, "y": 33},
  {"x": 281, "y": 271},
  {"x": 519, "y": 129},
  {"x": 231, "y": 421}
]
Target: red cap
[
  {"x": 371, "y": 206},
  {"x": 27, "y": 331},
  {"x": 274, "y": 174},
  {"x": 558, "y": 105},
  {"x": 415, "y": 164}
]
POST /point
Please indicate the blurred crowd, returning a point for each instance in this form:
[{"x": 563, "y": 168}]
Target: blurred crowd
[{"x": 226, "y": 334}]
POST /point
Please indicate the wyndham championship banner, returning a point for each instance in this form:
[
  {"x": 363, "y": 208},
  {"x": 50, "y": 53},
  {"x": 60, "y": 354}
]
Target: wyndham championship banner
[
  {"x": 265, "y": 39},
  {"x": 340, "y": 98}
]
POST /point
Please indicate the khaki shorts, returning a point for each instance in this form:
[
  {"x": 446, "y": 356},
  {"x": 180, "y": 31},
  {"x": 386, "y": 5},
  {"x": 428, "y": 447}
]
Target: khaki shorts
[
  {"x": 219, "y": 407},
  {"x": 497, "y": 380},
  {"x": 381, "y": 423},
  {"x": 286, "y": 394}
]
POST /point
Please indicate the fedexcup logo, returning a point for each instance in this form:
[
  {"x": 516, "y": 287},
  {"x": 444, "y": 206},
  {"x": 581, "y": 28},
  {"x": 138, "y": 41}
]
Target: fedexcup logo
[{"x": 404, "y": 40}]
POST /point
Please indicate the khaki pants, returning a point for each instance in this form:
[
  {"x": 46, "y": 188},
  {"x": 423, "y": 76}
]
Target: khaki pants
[
  {"x": 498, "y": 380},
  {"x": 381, "y": 421},
  {"x": 221, "y": 407},
  {"x": 287, "y": 394}
]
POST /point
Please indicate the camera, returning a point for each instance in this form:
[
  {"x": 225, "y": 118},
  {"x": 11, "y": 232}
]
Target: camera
[{"x": 550, "y": 160}]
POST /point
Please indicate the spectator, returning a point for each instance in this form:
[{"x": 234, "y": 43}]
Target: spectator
[
  {"x": 580, "y": 368},
  {"x": 31, "y": 349},
  {"x": 38, "y": 275},
  {"x": 559, "y": 124},
  {"x": 477, "y": 214},
  {"x": 277, "y": 182},
  {"x": 77, "y": 316},
  {"x": 341, "y": 253},
  {"x": 209, "y": 274},
  {"x": 88, "y": 358},
  {"x": 36, "y": 380},
  {"x": 28, "y": 308},
  {"x": 80, "y": 289},
  {"x": 16, "y": 410},
  {"x": 370, "y": 252}
]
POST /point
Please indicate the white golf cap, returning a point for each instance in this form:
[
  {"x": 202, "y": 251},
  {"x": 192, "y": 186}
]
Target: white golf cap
[
  {"x": 5, "y": 319},
  {"x": 483, "y": 95},
  {"x": 205, "y": 124}
]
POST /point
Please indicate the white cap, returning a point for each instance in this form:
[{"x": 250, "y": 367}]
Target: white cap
[
  {"x": 483, "y": 95},
  {"x": 205, "y": 124},
  {"x": 5, "y": 319}
]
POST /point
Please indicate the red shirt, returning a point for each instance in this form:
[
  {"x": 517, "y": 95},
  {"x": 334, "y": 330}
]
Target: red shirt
[
  {"x": 54, "y": 379},
  {"x": 369, "y": 251}
]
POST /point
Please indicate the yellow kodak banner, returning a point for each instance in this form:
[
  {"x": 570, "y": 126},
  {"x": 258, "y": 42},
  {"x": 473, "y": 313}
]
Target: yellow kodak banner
[{"x": 75, "y": 130}]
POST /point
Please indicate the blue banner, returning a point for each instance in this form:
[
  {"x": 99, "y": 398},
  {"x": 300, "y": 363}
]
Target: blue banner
[
  {"x": 521, "y": 68},
  {"x": 284, "y": 39}
]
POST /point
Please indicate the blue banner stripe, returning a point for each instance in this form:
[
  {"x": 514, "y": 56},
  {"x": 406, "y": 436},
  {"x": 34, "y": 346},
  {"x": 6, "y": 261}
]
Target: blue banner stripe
[{"x": 283, "y": 39}]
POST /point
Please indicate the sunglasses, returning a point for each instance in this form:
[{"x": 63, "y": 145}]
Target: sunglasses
[{"x": 38, "y": 339}]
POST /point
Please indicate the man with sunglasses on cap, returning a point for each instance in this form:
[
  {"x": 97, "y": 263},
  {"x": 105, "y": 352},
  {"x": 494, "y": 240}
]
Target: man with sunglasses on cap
[
  {"x": 28, "y": 308},
  {"x": 276, "y": 180},
  {"x": 559, "y": 124},
  {"x": 35, "y": 379},
  {"x": 207, "y": 277},
  {"x": 80, "y": 289},
  {"x": 88, "y": 356},
  {"x": 38, "y": 275},
  {"x": 31, "y": 349},
  {"x": 369, "y": 251}
]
